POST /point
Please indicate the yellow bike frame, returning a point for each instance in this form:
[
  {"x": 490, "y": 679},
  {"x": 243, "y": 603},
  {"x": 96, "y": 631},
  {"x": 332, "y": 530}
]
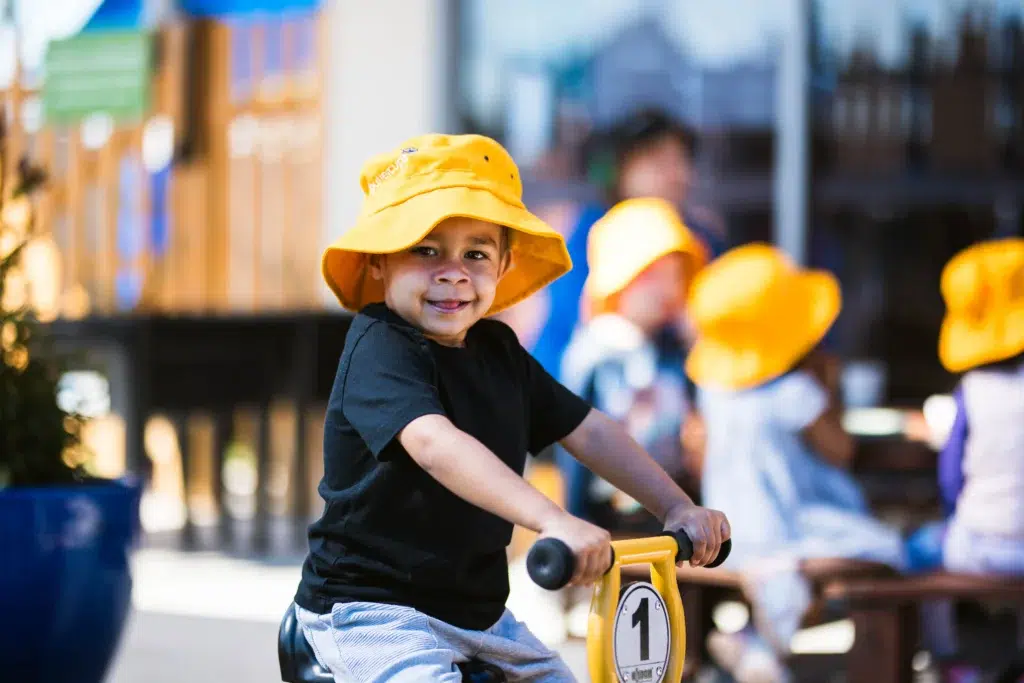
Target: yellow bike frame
[{"x": 660, "y": 553}]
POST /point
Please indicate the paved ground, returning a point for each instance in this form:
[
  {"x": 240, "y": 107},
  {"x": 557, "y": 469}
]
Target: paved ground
[
  {"x": 208, "y": 618},
  {"x": 167, "y": 648}
]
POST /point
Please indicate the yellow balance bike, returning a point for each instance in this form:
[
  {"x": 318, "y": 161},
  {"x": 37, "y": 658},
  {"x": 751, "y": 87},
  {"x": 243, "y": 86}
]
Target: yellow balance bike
[{"x": 636, "y": 632}]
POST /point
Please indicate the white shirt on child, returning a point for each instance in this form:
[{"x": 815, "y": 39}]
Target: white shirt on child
[
  {"x": 784, "y": 503},
  {"x": 631, "y": 382},
  {"x": 779, "y": 495},
  {"x": 992, "y": 499}
]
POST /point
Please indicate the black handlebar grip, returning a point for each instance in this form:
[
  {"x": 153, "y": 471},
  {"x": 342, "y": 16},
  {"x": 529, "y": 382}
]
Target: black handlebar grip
[
  {"x": 683, "y": 543},
  {"x": 723, "y": 554},
  {"x": 551, "y": 564},
  {"x": 685, "y": 546}
]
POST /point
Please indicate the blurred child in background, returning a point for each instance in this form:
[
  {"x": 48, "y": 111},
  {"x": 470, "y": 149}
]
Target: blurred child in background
[
  {"x": 777, "y": 455},
  {"x": 981, "y": 469},
  {"x": 627, "y": 357},
  {"x": 981, "y": 466},
  {"x": 647, "y": 153}
]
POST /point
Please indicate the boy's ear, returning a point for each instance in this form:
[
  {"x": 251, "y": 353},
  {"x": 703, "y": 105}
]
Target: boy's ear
[
  {"x": 376, "y": 262},
  {"x": 506, "y": 263}
]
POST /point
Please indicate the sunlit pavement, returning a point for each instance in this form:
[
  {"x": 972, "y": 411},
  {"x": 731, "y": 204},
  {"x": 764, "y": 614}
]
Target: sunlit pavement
[
  {"x": 207, "y": 618},
  {"x": 168, "y": 648}
]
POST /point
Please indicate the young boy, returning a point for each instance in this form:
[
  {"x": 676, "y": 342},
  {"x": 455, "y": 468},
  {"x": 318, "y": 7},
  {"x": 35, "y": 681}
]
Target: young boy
[{"x": 430, "y": 419}]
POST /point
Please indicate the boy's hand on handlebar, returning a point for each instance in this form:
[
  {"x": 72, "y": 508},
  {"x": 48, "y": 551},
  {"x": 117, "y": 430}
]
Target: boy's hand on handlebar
[
  {"x": 590, "y": 544},
  {"x": 707, "y": 529}
]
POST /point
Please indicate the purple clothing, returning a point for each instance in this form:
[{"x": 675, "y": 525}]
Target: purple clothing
[{"x": 951, "y": 459}]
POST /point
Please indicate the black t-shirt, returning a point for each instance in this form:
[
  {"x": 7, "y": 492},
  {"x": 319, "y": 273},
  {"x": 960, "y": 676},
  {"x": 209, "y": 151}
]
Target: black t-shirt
[{"x": 390, "y": 533}]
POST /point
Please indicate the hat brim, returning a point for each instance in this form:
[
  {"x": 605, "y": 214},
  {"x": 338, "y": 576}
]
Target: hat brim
[
  {"x": 757, "y": 358},
  {"x": 965, "y": 344},
  {"x": 539, "y": 254}
]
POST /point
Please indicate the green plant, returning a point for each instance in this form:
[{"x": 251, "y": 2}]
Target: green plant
[{"x": 39, "y": 442}]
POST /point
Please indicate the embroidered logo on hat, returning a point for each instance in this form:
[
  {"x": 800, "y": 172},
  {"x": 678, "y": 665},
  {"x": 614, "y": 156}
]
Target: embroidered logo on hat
[{"x": 391, "y": 170}]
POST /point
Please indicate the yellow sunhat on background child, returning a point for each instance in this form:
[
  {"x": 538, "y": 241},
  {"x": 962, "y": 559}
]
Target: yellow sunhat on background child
[
  {"x": 983, "y": 287},
  {"x": 411, "y": 189},
  {"x": 629, "y": 239},
  {"x": 756, "y": 315}
]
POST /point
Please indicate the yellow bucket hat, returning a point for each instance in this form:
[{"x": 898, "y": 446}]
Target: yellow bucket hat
[
  {"x": 411, "y": 189},
  {"x": 983, "y": 287},
  {"x": 756, "y": 315},
  {"x": 628, "y": 239}
]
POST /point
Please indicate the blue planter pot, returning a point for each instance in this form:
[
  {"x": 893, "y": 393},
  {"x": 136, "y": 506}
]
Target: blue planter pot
[{"x": 65, "y": 580}]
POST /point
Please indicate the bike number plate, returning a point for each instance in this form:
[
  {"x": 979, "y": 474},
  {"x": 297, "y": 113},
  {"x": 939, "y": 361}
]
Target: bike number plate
[{"x": 642, "y": 638}]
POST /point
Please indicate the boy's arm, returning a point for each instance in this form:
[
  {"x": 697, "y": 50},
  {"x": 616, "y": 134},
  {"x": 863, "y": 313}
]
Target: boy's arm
[
  {"x": 609, "y": 451},
  {"x": 471, "y": 471}
]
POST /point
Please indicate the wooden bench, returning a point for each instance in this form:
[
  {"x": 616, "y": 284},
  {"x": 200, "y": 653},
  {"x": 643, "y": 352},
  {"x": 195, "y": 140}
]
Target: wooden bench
[
  {"x": 883, "y": 606},
  {"x": 885, "y": 612},
  {"x": 702, "y": 589}
]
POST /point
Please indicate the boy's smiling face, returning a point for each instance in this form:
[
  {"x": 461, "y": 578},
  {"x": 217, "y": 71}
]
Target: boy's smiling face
[{"x": 446, "y": 283}]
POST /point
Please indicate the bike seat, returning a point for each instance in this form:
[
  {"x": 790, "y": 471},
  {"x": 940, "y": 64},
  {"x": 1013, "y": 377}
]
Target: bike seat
[
  {"x": 475, "y": 671},
  {"x": 298, "y": 662},
  {"x": 295, "y": 655}
]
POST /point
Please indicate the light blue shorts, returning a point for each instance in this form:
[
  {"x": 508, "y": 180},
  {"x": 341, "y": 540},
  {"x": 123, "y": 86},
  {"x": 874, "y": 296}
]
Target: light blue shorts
[{"x": 364, "y": 642}]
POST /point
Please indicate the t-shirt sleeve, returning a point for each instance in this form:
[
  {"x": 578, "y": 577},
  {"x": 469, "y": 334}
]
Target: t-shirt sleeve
[
  {"x": 555, "y": 412},
  {"x": 799, "y": 400},
  {"x": 389, "y": 383}
]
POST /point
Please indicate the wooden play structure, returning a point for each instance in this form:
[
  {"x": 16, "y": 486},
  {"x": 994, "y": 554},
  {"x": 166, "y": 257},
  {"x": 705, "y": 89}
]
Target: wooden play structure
[{"x": 208, "y": 202}]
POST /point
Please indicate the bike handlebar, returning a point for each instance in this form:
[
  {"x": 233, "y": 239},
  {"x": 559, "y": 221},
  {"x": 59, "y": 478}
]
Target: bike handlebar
[{"x": 551, "y": 563}]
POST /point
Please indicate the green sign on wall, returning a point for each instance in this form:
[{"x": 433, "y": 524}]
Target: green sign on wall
[{"x": 103, "y": 72}]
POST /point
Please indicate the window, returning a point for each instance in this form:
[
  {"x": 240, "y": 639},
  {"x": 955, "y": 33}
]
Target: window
[
  {"x": 541, "y": 76},
  {"x": 925, "y": 173}
]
